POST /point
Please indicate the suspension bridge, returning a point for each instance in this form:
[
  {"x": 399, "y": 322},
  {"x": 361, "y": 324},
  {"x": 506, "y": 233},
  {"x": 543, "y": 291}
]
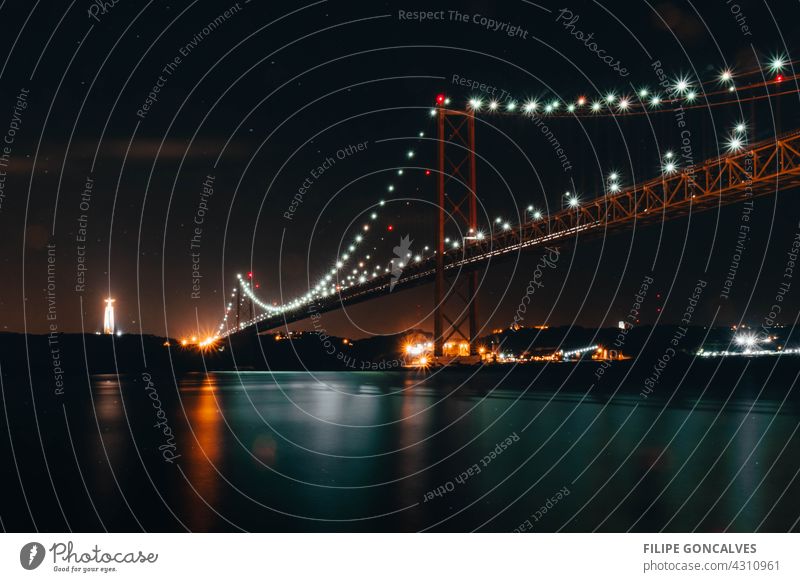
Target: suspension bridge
[{"x": 745, "y": 171}]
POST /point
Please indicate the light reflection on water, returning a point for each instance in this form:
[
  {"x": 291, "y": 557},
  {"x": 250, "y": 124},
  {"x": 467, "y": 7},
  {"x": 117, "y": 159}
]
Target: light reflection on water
[
  {"x": 361, "y": 451},
  {"x": 343, "y": 446}
]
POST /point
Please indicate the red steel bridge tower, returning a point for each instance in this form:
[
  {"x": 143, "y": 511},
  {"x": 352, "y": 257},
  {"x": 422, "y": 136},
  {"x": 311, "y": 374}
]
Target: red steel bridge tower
[{"x": 455, "y": 294}]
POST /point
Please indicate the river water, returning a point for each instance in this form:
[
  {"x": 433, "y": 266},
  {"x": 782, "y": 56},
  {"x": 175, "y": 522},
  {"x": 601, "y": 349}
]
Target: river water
[{"x": 532, "y": 450}]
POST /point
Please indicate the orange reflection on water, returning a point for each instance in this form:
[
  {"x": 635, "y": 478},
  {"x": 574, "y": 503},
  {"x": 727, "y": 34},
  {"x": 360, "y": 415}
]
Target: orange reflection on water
[{"x": 205, "y": 420}]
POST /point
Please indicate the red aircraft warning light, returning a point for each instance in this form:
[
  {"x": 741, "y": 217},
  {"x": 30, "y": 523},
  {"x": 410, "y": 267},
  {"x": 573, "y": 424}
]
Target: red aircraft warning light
[
  {"x": 779, "y": 78},
  {"x": 440, "y": 99},
  {"x": 427, "y": 172},
  {"x": 250, "y": 275},
  {"x": 390, "y": 227}
]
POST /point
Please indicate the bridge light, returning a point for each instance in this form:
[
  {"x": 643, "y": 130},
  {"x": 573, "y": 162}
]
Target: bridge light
[
  {"x": 581, "y": 101},
  {"x": 479, "y": 235},
  {"x": 681, "y": 85},
  {"x": 777, "y": 63},
  {"x": 668, "y": 155},
  {"x": 573, "y": 202},
  {"x": 740, "y": 127},
  {"x": 498, "y": 220},
  {"x": 613, "y": 176},
  {"x": 493, "y": 105},
  {"x": 511, "y": 105},
  {"x": 624, "y": 103},
  {"x": 725, "y": 76},
  {"x": 530, "y": 106},
  {"x": 417, "y": 259},
  {"x": 691, "y": 96},
  {"x": 669, "y": 168},
  {"x": 433, "y": 113},
  {"x": 570, "y": 107},
  {"x": 596, "y": 106},
  {"x": 537, "y": 215},
  {"x": 548, "y": 108},
  {"x": 400, "y": 172},
  {"x": 475, "y": 104},
  {"x": 506, "y": 226},
  {"x": 610, "y": 98},
  {"x": 655, "y": 101},
  {"x": 410, "y": 154},
  {"x": 643, "y": 92},
  {"x": 734, "y": 144},
  {"x": 390, "y": 188}
]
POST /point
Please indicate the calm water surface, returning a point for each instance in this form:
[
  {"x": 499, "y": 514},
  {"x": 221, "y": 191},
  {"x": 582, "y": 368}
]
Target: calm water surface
[{"x": 389, "y": 451}]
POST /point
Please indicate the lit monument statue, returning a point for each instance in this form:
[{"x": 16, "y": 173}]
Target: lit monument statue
[{"x": 108, "y": 317}]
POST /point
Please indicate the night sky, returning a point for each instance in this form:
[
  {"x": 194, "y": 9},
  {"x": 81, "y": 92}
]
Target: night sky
[{"x": 140, "y": 119}]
